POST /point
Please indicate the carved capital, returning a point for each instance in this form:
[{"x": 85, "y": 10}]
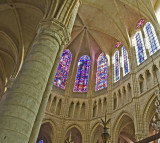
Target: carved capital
[{"x": 55, "y": 29}]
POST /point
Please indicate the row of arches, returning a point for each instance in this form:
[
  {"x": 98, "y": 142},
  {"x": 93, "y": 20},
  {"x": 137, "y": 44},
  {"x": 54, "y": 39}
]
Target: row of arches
[
  {"x": 77, "y": 110},
  {"x": 99, "y": 107},
  {"x": 54, "y": 105},
  {"x": 122, "y": 96},
  {"x": 149, "y": 78},
  {"x": 122, "y": 128}
]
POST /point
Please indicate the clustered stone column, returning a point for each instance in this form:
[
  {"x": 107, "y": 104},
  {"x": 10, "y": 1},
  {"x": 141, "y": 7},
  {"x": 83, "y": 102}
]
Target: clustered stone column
[{"x": 21, "y": 111}]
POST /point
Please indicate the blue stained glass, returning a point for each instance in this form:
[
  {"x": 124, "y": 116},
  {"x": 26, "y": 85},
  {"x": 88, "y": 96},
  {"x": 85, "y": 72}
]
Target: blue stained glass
[
  {"x": 151, "y": 38},
  {"x": 125, "y": 61},
  {"x": 63, "y": 69},
  {"x": 139, "y": 47},
  {"x": 102, "y": 72},
  {"x": 81, "y": 81},
  {"x": 116, "y": 66},
  {"x": 41, "y": 141}
]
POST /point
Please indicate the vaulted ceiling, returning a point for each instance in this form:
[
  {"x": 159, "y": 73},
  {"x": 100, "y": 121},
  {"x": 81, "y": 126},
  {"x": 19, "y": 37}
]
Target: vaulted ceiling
[{"x": 98, "y": 26}]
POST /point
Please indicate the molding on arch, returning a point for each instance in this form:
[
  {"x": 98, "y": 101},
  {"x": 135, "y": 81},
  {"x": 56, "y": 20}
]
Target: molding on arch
[
  {"x": 116, "y": 127},
  {"x": 74, "y": 125}
]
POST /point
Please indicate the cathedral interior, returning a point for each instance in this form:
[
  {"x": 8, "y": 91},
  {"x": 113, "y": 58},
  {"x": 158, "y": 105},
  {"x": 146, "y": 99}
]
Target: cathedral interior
[{"x": 66, "y": 65}]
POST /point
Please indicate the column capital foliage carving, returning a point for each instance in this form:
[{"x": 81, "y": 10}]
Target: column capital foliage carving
[
  {"x": 56, "y": 29},
  {"x": 59, "y": 19}
]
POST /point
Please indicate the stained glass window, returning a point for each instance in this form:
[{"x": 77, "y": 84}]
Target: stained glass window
[
  {"x": 125, "y": 61},
  {"x": 102, "y": 72},
  {"x": 140, "y": 23},
  {"x": 81, "y": 81},
  {"x": 63, "y": 69},
  {"x": 151, "y": 40},
  {"x": 41, "y": 141},
  {"x": 116, "y": 66},
  {"x": 139, "y": 47}
]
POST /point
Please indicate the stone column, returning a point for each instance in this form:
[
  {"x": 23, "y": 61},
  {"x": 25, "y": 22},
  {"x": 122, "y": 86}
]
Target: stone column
[
  {"x": 19, "y": 110},
  {"x": 39, "y": 118}
]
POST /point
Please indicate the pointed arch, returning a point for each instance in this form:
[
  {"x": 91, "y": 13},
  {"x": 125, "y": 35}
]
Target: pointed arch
[
  {"x": 125, "y": 61},
  {"x": 139, "y": 48},
  {"x": 75, "y": 133},
  {"x": 63, "y": 69},
  {"x": 102, "y": 72},
  {"x": 116, "y": 66},
  {"x": 151, "y": 40},
  {"x": 124, "y": 121},
  {"x": 82, "y": 76}
]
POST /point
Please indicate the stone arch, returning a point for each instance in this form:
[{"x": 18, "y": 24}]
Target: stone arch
[
  {"x": 129, "y": 91},
  {"x": 94, "y": 114},
  {"x": 124, "y": 94},
  {"x": 156, "y": 74},
  {"x": 104, "y": 105},
  {"x": 124, "y": 129},
  {"x": 58, "y": 108},
  {"x": 148, "y": 79},
  {"x": 114, "y": 101},
  {"x": 77, "y": 110},
  {"x": 99, "y": 107},
  {"x": 148, "y": 112},
  {"x": 76, "y": 134},
  {"x": 71, "y": 108},
  {"x": 83, "y": 112},
  {"x": 47, "y": 132},
  {"x": 141, "y": 83},
  {"x": 96, "y": 132},
  {"x": 53, "y": 105}
]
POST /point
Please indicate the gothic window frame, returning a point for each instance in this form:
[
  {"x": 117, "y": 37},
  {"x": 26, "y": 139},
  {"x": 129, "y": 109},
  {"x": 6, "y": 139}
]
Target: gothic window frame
[
  {"x": 63, "y": 69},
  {"x": 151, "y": 39},
  {"x": 102, "y": 72},
  {"x": 125, "y": 61},
  {"x": 139, "y": 48},
  {"x": 82, "y": 74},
  {"x": 116, "y": 66}
]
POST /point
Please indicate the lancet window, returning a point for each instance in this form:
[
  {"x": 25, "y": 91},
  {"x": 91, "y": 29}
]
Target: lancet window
[
  {"x": 82, "y": 76},
  {"x": 63, "y": 69}
]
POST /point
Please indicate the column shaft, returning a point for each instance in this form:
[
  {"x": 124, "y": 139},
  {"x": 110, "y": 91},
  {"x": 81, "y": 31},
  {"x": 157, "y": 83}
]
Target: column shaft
[
  {"x": 19, "y": 110},
  {"x": 39, "y": 118}
]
